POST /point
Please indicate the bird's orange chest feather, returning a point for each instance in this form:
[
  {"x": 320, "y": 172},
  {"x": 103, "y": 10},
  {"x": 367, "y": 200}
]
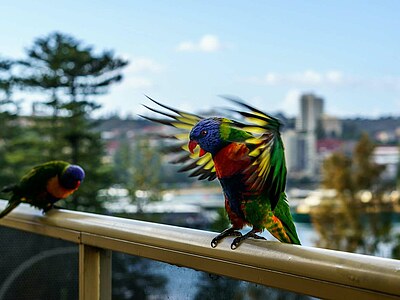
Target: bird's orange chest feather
[
  {"x": 56, "y": 190},
  {"x": 231, "y": 159}
]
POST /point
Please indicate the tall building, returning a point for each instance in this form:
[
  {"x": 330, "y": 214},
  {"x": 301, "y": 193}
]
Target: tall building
[
  {"x": 307, "y": 124},
  {"x": 311, "y": 109}
]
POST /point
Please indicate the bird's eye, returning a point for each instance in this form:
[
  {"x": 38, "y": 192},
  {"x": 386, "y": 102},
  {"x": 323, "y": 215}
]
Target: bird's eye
[{"x": 203, "y": 133}]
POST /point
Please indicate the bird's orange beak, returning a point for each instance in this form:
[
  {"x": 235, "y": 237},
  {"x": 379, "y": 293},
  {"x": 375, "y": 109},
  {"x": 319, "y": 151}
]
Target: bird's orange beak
[
  {"x": 192, "y": 145},
  {"x": 78, "y": 184}
]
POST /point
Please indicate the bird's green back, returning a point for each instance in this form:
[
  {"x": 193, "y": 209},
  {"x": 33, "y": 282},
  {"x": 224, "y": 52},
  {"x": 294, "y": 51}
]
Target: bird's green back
[{"x": 36, "y": 180}]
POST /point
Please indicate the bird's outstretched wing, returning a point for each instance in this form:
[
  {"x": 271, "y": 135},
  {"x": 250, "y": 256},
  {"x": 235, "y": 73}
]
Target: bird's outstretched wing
[
  {"x": 201, "y": 167},
  {"x": 268, "y": 169}
]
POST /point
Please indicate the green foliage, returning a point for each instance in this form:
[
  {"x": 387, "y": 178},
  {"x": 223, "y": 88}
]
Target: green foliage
[
  {"x": 365, "y": 172},
  {"x": 14, "y": 140},
  {"x": 396, "y": 249},
  {"x": 146, "y": 162},
  {"x": 336, "y": 173},
  {"x": 7, "y": 80},
  {"x": 344, "y": 223},
  {"x": 58, "y": 63},
  {"x": 346, "y": 174},
  {"x": 138, "y": 167}
]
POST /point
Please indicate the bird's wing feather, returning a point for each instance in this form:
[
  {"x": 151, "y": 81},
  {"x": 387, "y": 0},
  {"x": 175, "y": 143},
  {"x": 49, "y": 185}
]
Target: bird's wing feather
[
  {"x": 200, "y": 167},
  {"x": 268, "y": 168}
]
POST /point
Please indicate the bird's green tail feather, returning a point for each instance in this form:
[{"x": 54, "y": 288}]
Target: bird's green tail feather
[
  {"x": 291, "y": 232},
  {"x": 10, "y": 206},
  {"x": 282, "y": 212}
]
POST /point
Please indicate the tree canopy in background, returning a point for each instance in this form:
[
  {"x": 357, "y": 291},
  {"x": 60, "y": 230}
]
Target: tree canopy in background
[
  {"x": 8, "y": 120},
  {"x": 68, "y": 75},
  {"x": 351, "y": 174},
  {"x": 345, "y": 222}
]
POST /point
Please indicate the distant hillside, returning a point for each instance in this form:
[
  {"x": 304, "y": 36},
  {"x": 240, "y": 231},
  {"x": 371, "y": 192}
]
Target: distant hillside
[
  {"x": 352, "y": 128},
  {"x": 116, "y": 123}
]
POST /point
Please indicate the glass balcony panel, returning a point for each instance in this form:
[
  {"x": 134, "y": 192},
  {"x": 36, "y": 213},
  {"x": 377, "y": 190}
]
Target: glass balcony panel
[{"x": 34, "y": 267}]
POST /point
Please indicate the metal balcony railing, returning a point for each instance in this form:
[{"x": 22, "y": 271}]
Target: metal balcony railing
[{"x": 306, "y": 270}]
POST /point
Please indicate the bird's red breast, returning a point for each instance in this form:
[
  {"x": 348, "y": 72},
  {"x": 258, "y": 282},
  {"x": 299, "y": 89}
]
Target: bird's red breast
[
  {"x": 231, "y": 159},
  {"x": 56, "y": 190}
]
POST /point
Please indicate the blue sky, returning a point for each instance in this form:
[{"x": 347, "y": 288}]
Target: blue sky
[{"x": 186, "y": 53}]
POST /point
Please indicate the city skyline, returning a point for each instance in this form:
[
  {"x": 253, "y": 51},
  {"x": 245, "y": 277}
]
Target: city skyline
[{"x": 267, "y": 53}]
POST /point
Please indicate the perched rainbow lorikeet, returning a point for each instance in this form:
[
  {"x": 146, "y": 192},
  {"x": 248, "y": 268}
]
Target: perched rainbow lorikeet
[
  {"x": 44, "y": 185},
  {"x": 249, "y": 161}
]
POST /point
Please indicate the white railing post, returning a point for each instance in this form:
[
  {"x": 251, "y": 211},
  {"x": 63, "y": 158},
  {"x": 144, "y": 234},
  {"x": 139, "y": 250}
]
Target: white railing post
[{"x": 94, "y": 273}]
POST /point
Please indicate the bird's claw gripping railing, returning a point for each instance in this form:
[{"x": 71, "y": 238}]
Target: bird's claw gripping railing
[{"x": 312, "y": 271}]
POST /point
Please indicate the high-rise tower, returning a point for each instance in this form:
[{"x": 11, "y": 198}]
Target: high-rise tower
[
  {"x": 307, "y": 123},
  {"x": 311, "y": 109}
]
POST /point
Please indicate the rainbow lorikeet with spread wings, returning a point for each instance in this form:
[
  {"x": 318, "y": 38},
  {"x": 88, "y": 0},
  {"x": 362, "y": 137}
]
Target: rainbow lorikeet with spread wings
[
  {"x": 248, "y": 160},
  {"x": 44, "y": 185}
]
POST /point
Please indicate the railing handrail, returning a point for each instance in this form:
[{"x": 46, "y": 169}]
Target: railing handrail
[{"x": 307, "y": 270}]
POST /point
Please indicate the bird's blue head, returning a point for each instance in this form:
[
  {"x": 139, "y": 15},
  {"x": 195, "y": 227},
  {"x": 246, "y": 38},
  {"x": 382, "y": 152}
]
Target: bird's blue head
[
  {"x": 207, "y": 134},
  {"x": 72, "y": 177}
]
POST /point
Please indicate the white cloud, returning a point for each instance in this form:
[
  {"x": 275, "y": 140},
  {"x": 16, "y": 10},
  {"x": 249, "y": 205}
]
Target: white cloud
[
  {"x": 335, "y": 77},
  {"x": 210, "y": 43},
  {"x": 139, "y": 73},
  {"x": 207, "y": 43},
  {"x": 138, "y": 82},
  {"x": 332, "y": 78},
  {"x": 271, "y": 78},
  {"x": 310, "y": 77},
  {"x": 186, "y": 46},
  {"x": 143, "y": 64}
]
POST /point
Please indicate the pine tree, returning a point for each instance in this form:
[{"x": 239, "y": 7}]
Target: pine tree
[
  {"x": 70, "y": 75},
  {"x": 7, "y": 117},
  {"x": 15, "y": 156}
]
